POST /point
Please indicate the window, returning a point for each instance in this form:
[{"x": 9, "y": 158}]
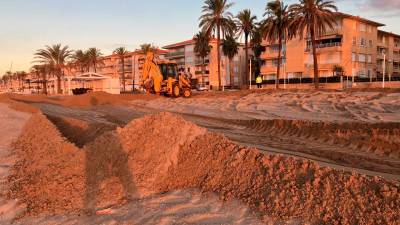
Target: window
[
  {"x": 189, "y": 59},
  {"x": 354, "y": 41},
  {"x": 369, "y": 58},
  {"x": 361, "y": 57},
  {"x": 353, "y": 57},
  {"x": 371, "y": 44},
  {"x": 363, "y": 27},
  {"x": 363, "y": 42}
]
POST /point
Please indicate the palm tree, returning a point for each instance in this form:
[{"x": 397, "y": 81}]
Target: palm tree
[
  {"x": 56, "y": 56},
  {"x": 277, "y": 28},
  {"x": 230, "y": 48},
  {"x": 80, "y": 60},
  {"x": 121, "y": 53},
  {"x": 94, "y": 55},
  {"x": 257, "y": 47},
  {"x": 203, "y": 48},
  {"x": 313, "y": 17},
  {"x": 148, "y": 47},
  {"x": 41, "y": 71},
  {"x": 245, "y": 22},
  {"x": 21, "y": 76},
  {"x": 216, "y": 18}
]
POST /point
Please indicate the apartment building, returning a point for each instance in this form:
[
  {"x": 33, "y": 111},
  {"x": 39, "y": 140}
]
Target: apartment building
[
  {"x": 388, "y": 52},
  {"x": 354, "y": 44},
  {"x": 184, "y": 55},
  {"x": 112, "y": 66}
]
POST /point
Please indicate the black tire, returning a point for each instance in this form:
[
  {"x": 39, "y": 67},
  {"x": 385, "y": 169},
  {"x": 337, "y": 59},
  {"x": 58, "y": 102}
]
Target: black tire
[{"x": 187, "y": 93}]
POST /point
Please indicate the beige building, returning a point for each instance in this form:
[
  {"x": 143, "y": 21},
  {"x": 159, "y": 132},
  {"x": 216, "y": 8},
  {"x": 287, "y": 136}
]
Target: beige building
[
  {"x": 351, "y": 44},
  {"x": 388, "y": 51},
  {"x": 184, "y": 55},
  {"x": 112, "y": 66}
]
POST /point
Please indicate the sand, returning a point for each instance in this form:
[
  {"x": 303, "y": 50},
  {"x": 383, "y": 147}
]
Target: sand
[
  {"x": 369, "y": 106},
  {"x": 12, "y": 123},
  {"x": 163, "y": 153}
]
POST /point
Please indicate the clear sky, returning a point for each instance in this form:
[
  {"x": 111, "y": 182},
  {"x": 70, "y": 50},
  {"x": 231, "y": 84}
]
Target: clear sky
[{"x": 27, "y": 25}]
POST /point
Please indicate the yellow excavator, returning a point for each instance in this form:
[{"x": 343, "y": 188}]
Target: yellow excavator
[{"x": 162, "y": 77}]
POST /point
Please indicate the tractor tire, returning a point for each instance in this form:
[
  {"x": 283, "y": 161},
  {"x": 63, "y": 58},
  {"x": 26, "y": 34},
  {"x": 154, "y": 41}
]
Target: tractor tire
[
  {"x": 176, "y": 92},
  {"x": 187, "y": 93}
]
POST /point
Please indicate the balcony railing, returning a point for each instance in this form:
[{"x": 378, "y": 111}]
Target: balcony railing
[
  {"x": 327, "y": 45},
  {"x": 200, "y": 62},
  {"x": 175, "y": 54}
]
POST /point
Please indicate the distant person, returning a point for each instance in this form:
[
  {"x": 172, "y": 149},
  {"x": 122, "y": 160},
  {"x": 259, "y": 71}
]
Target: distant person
[{"x": 259, "y": 81}]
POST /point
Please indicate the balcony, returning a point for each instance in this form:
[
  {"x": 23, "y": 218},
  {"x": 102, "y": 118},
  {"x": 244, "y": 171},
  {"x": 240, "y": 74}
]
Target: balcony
[
  {"x": 175, "y": 54},
  {"x": 200, "y": 62},
  {"x": 206, "y": 72},
  {"x": 335, "y": 46}
]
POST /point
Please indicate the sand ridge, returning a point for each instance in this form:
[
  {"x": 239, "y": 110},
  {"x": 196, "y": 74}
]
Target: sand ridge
[{"x": 163, "y": 152}]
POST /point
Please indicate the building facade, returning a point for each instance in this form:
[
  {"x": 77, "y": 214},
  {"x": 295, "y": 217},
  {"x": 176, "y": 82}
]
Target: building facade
[
  {"x": 184, "y": 55},
  {"x": 112, "y": 66},
  {"x": 354, "y": 43}
]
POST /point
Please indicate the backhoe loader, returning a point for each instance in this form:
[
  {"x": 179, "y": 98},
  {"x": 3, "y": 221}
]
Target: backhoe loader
[{"x": 161, "y": 77}]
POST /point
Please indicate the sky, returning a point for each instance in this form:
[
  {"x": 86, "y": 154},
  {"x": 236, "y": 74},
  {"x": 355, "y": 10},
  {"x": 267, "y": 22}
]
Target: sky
[{"x": 28, "y": 25}]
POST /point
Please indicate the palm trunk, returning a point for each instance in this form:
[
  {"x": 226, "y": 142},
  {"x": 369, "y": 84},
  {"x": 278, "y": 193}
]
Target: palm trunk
[
  {"x": 231, "y": 73},
  {"x": 44, "y": 83},
  {"x": 59, "y": 84},
  {"x": 278, "y": 69},
  {"x": 246, "y": 58},
  {"x": 134, "y": 74},
  {"x": 219, "y": 56},
  {"x": 314, "y": 47},
  {"x": 203, "y": 70},
  {"x": 123, "y": 74}
]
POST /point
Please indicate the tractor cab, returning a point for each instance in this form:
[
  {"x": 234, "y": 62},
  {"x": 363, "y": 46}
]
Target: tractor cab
[{"x": 168, "y": 70}]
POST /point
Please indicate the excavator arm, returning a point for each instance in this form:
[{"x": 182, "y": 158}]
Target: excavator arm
[{"x": 152, "y": 76}]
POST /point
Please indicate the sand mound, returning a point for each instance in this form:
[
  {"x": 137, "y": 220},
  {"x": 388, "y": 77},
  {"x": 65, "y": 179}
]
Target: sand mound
[
  {"x": 85, "y": 100},
  {"x": 163, "y": 152},
  {"x": 48, "y": 176}
]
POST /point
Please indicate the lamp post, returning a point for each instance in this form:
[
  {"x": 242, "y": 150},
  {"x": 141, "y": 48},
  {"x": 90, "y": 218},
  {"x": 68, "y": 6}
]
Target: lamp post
[{"x": 384, "y": 70}]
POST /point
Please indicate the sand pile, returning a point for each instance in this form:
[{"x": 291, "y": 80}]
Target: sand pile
[
  {"x": 49, "y": 174},
  {"x": 85, "y": 100},
  {"x": 163, "y": 152}
]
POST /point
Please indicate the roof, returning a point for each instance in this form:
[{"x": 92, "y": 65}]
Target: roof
[
  {"x": 91, "y": 76},
  {"x": 345, "y": 15},
  {"x": 137, "y": 51},
  {"x": 183, "y": 43},
  {"x": 389, "y": 33},
  {"x": 179, "y": 44}
]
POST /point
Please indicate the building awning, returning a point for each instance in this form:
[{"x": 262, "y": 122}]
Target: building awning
[{"x": 90, "y": 77}]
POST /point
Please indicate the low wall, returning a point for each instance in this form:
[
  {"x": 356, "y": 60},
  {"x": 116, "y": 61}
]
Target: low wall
[{"x": 334, "y": 86}]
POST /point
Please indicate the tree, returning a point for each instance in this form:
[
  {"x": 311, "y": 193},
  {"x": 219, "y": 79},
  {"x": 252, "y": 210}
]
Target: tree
[
  {"x": 21, "y": 76},
  {"x": 55, "y": 56},
  {"x": 81, "y": 60},
  {"x": 216, "y": 18},
  {"x": 203, "y": 48},
  {"x": 41, "y": 72},
  {"x": 257, "y": 47},
  {"x": 230, "y": 48},
  {"x": 245, "y": 22},
  {"x": 94, "y": 55},
  {"x": 313, "y": 17},
  {"x": 277, "y": 28},
  {"x": 121, "y": 53},
  {"x": 147, "y": 47}
]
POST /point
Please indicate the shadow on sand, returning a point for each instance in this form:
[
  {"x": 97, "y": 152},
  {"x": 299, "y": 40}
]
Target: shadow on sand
[{"x": 105, "y": 158}]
